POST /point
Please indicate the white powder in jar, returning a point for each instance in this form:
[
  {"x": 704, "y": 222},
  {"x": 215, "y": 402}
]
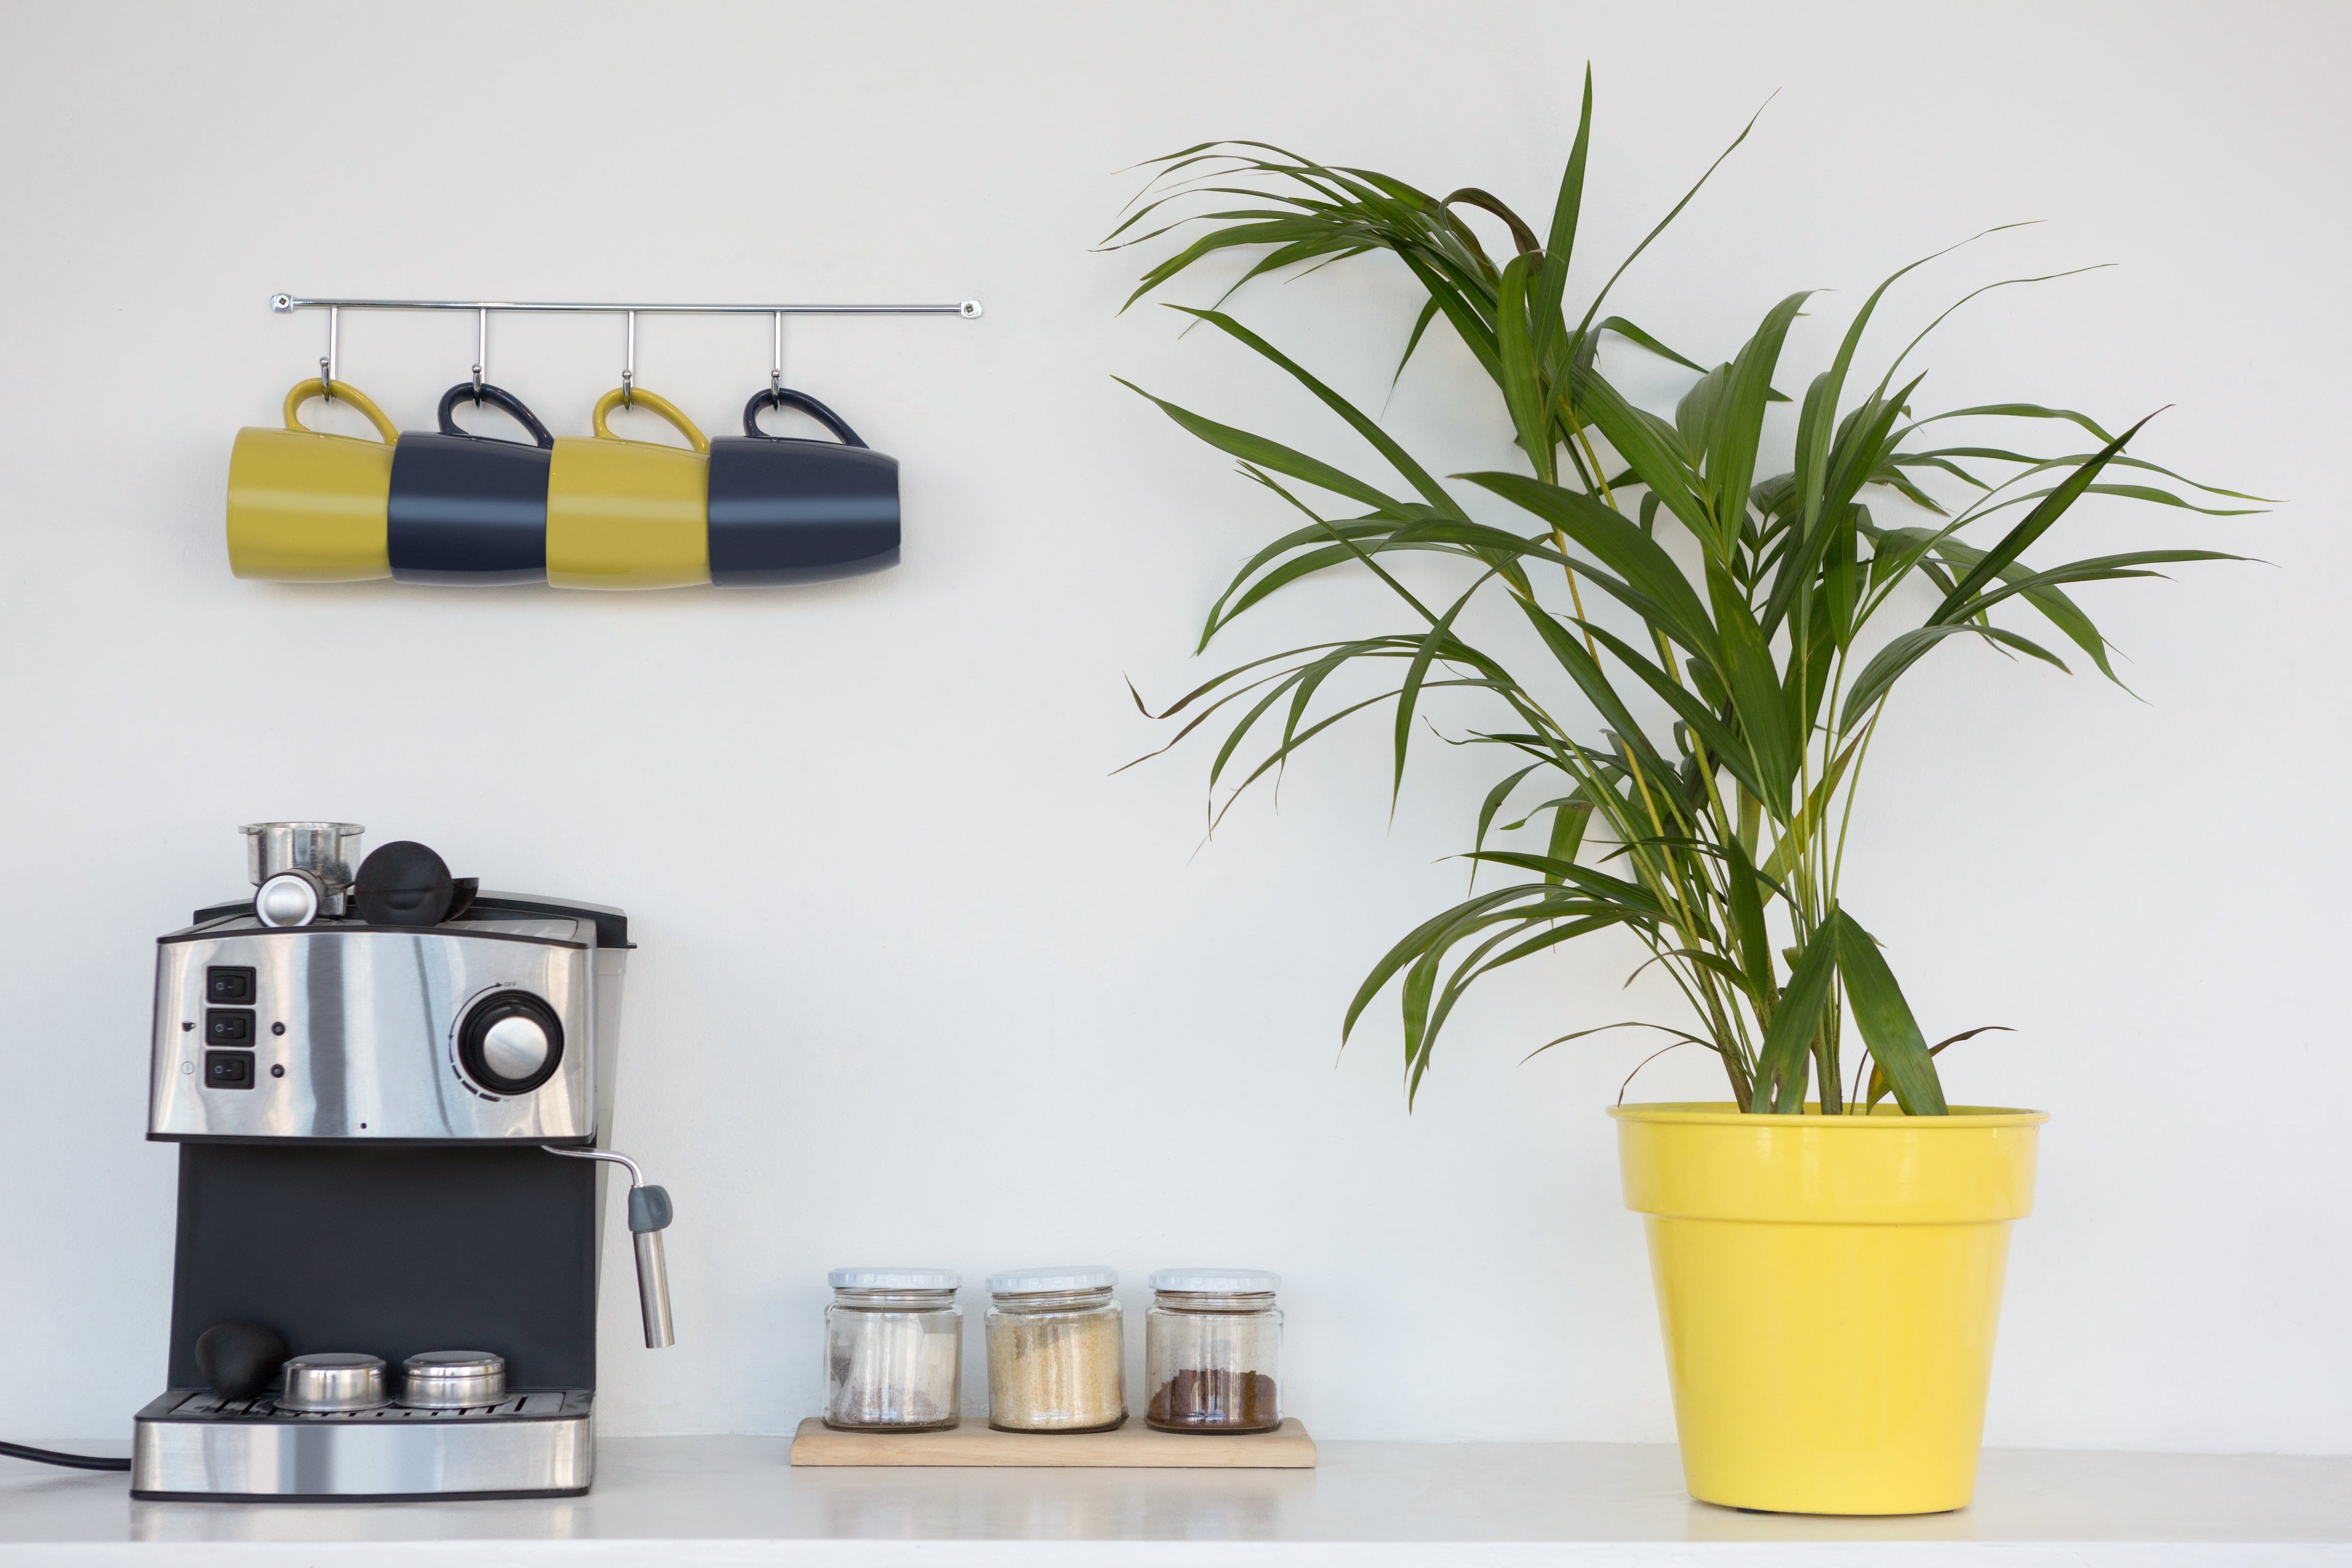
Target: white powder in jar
[{"x": 894, "y": 1369}]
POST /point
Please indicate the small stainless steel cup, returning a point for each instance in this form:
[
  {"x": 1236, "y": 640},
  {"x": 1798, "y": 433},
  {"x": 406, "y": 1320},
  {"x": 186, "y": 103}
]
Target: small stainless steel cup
[
  {"x": 333, "y": 1380},
  {"x": 325, "y": 850},
  {"x": 453, "y": 1380}
]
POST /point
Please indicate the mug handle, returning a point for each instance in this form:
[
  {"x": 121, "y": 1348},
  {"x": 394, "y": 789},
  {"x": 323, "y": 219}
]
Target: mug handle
[
  {"x": 496, "y": 397},
  {"x": 786, "y": 397},
  {"x": 306, "y": 390},
  {"x": 661, "y": 405}
]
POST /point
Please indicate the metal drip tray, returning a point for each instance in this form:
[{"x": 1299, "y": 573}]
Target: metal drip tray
[
  {"x": 211, "y": 1407},
  {"x": 190, "y": 1445}
]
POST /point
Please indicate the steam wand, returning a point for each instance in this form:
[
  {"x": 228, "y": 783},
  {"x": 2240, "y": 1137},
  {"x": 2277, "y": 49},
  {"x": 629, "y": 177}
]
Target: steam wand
[{"x": 650, "y": 1214}]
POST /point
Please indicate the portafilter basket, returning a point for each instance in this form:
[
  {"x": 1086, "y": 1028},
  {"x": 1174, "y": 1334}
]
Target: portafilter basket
[
  {"x": 333, "y": 1380},
  {"x": 324, "y": 849},
  {"x": 453, "y": 1380}
]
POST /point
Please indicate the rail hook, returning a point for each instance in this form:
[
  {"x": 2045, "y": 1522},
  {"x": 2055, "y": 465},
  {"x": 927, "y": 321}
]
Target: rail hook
[
  {"x": 326, "y": 362},
  {"x": 776, "y": 373},
  {"x": 629, "y": 367},
  {"x": 481, "y": 353}
]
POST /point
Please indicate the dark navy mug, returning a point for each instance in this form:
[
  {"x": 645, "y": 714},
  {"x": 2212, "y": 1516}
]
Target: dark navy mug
[
  {"x": 469, "y": 510},
  {"x": 786, "y": 509}
]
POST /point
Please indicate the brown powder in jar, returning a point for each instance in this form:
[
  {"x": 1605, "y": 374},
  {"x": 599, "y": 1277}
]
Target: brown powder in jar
[{"x": 1214, "y": 1400}]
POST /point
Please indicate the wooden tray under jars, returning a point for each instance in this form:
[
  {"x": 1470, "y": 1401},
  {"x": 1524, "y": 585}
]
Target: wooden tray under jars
[{"x": 1134, "y": 1446}]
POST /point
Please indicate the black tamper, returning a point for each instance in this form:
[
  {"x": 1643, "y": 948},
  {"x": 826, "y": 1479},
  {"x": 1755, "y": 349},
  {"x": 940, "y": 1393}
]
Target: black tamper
[{"x": 237, "y": 1360}]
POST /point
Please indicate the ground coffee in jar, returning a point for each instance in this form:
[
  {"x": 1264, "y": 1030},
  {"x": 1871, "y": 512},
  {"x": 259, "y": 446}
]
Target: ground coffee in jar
[{"x": 1212, "y": 1350}]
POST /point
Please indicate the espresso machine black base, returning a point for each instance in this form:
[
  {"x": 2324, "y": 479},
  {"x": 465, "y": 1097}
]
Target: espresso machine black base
[
  {"x": 399, "y": 1250},
  {"x": 192, "y": 1446}
]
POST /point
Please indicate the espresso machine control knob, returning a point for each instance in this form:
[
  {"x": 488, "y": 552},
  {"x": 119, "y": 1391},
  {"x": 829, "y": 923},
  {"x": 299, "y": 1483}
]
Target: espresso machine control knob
[{"x": 510, "y": 1042}]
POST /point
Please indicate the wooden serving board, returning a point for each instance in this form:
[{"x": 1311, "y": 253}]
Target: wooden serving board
[{"x": 1133, "y": 1446}]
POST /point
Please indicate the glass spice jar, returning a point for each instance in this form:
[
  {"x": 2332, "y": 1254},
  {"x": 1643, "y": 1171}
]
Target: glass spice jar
[
  {"x": 893, "y": 1350},
  {"x": 1056, "y": 1357},
  {"x": 1212, "y": 1350}
]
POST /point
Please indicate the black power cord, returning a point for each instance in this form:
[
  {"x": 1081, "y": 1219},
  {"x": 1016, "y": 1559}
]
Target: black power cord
[{"x": 71, "y": 1461}]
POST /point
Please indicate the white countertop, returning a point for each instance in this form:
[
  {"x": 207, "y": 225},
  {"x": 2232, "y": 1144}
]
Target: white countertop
[{"x": 734, "y": 1500}]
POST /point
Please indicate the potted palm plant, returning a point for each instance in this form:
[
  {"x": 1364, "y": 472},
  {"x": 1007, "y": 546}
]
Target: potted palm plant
[{"x": 1704, "y": 647}]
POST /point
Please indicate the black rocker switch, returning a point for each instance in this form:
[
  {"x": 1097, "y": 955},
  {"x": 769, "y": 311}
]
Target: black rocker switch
[
  {"x": 227, "y": 1026},
  {"x": 229, "y": 985},
  {"x": 228, "y": 1070}
]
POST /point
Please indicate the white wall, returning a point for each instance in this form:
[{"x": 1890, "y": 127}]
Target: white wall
[{"x": 919, "y": 979}]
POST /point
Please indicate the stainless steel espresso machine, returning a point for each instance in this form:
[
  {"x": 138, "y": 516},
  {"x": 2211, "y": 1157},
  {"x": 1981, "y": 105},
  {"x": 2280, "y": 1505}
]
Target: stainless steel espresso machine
[{"x": 390, "y": 1090}]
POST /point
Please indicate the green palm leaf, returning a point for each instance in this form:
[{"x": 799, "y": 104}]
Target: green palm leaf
[{"x": 1694, "y": 771}]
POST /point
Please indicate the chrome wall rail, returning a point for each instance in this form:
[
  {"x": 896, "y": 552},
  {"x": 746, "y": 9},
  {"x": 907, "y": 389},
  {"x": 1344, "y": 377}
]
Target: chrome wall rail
[
  {"x": 968, "y": 309},
  {"x": 286, "y": 304}
]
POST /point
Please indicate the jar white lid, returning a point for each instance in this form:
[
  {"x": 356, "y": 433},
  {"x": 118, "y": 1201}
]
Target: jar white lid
[
  {"x": 1062, "y": 1277},
  {"x": 1217, "y": 1281},
  {"x": 894, "y": 1279}
]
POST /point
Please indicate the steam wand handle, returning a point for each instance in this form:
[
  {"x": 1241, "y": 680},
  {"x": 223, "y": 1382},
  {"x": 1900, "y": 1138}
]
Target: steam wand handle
[{"x": 649, "y": 1215}]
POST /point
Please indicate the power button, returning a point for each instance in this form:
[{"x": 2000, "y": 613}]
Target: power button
[
  {"x": 228, "y": 1070},
  {"x": 229, "y": 985}
]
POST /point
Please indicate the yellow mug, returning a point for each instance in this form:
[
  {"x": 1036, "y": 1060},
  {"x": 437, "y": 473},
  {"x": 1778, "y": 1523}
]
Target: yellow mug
[
  {"x": 308, "y": 507},
  {"x": 628, "y": 514}
]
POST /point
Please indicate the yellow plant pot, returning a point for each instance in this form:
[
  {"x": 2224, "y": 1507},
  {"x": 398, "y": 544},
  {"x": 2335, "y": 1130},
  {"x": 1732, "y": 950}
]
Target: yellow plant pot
[{"x": 1829, "y": 1287}]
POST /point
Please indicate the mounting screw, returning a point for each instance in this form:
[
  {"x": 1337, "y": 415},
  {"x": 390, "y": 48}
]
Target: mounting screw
[
  {"x": 281, "y": 302},
  {"x": 970, "y": 310}
]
